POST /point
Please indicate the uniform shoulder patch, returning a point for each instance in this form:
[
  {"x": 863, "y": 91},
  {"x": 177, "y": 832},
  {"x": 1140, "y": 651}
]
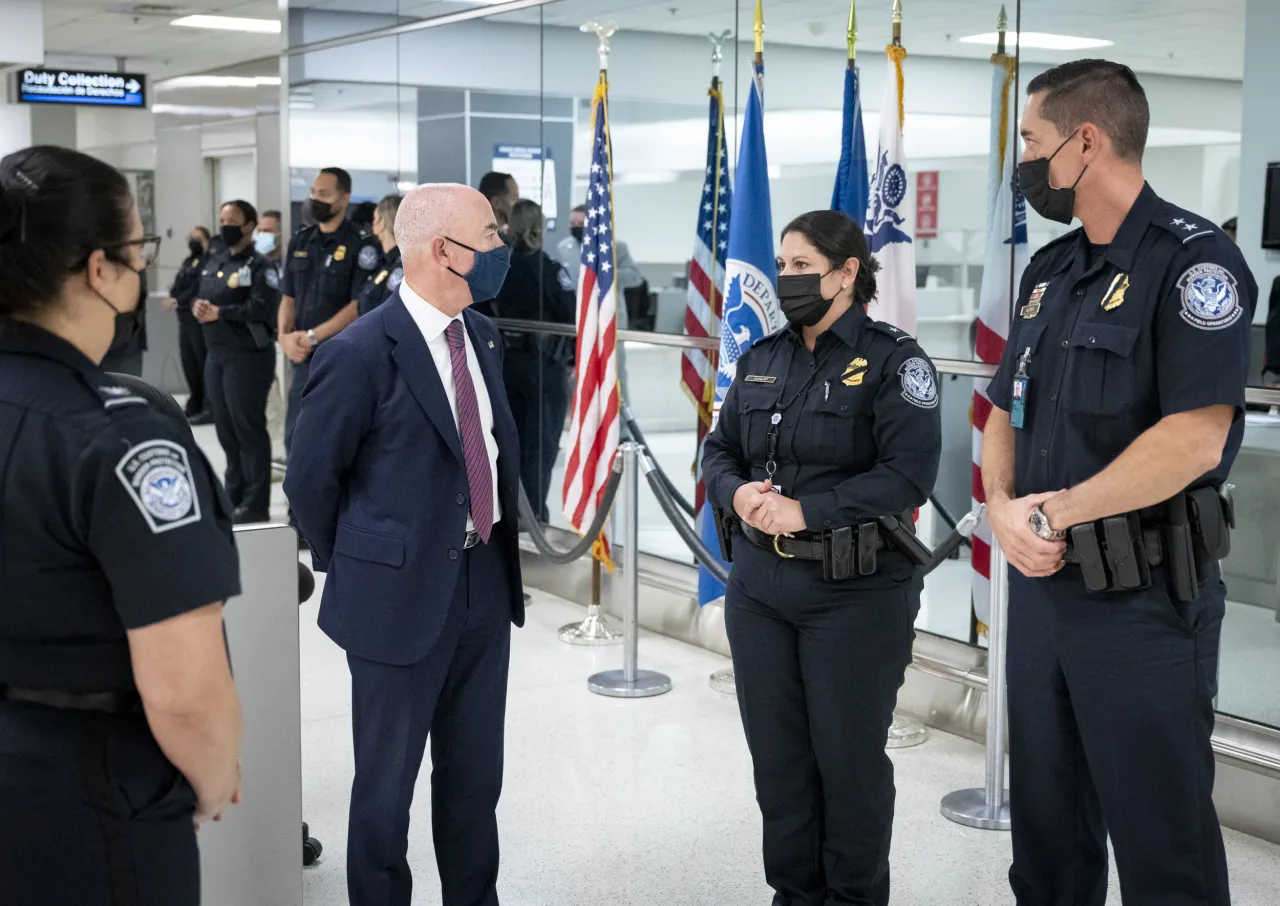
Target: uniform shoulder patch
[
  {"x": 114, "y": 396},
  {"x": 1210, "y": 299},
  {"x": 1183, "y": 224},
  {"x": 396, "y": 278},
  {"x": 918, "y": 385},
  {"x": 272, "y": 276},
  {"x": 157, "y": 477},
  {"x": 368, "y": 258},
  {"x": 566, "y": 282}
]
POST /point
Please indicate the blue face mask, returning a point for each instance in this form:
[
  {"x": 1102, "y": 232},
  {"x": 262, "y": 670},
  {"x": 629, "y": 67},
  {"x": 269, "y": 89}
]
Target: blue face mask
[
  {"x": 488, "y": 273},
  {"x": 265, "y": 243}
]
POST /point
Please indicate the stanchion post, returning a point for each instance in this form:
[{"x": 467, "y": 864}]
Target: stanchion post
[
  {"x": 594, "y": 628},
  {"x": 988, "y": 808},
  {"x": 630, "y": 681}
]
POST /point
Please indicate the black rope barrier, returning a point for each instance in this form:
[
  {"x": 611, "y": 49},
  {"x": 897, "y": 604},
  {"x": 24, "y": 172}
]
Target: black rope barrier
[
  {"x": 943, "y": 551},
  {"x": 529, "y": 522},
  {"x": 629, "y": 419},
  {"x": 686, "y": 532}
]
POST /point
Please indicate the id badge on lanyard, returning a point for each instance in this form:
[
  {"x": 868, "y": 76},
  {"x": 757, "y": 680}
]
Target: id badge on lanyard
[
  {"x": 771, "y": 464},
  {"x": 1021, "y": 387}
]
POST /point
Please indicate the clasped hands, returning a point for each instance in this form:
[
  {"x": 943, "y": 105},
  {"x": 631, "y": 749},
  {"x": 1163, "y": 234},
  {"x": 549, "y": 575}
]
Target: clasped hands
[
  {"x": 760, "y": 507},
  {"x": 205, "y": 311},
  {"x": 1027, "y": 552},
  {"x": 296, "y": 345}
]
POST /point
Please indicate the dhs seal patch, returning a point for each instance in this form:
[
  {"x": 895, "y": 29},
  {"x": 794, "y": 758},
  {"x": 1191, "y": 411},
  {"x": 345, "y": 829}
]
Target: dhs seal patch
[
  {"x": 157, "y": 477},
  {"x": 918, "y": 385},
  {"x": 368, "y": 258},
  {"x": 396, "y": 278},
  {"x": 273, "y": 277},
  {"x": 1210, "y": 300},
  {"x": 566, "y": 282}
]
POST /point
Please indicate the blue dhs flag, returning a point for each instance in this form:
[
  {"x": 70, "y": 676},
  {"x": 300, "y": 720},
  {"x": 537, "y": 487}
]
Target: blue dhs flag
[
  {"x": 850, "y": 194},
  {"x": 751, "y": 309}
]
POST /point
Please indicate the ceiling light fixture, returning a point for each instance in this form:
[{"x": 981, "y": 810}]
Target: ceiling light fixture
[
  {"x": 216, "y": 81},
  {"x": 1034, "y": 40},
  {"x": 230, "y": 23}
]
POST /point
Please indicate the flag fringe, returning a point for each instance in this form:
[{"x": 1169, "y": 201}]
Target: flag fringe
[{"x": 897, "y": 54}]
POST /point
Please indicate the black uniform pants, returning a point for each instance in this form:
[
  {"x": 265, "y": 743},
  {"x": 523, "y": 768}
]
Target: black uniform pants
[
  {"x": 538, "y": 392},
  {"x": 191, "y": 350},
  {"x": 818, "y": 666},
  {"x": 1110, "y": 718},
  {"x": 92, "y": 813},
  {"x": 237, "y": 382}
]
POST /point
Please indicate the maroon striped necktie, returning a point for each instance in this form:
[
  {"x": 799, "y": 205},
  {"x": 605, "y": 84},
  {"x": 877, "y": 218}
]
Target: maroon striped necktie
[{"x": 474, "y": 452}]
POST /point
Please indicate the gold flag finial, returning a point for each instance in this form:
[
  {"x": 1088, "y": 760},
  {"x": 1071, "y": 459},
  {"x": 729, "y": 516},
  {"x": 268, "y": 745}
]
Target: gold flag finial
[
  {"x": 851, "y": 33},
  {"x": 759, "y": 29},
  {"x": 1002, "y": 26},
  {"x": 897, "y": 23}
]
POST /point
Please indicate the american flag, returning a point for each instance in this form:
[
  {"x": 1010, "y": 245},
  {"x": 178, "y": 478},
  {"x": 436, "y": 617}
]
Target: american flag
[
  {"x": 706, "y": 280},
  {"x": 594, "y": 441}
]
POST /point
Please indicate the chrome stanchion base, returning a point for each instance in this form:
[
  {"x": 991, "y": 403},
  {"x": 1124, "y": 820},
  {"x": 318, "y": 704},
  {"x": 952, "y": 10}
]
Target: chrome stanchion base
[
  {"x": 905, "y": 732},
  {"x": 723, "y": 681},
  {"x": 615, "y": 684},
  {"x": 969, "y": 807},
  {"x": 594, "y": 630}
]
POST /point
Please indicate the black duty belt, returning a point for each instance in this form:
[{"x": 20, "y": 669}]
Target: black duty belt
[
  {"x": 119, "y": 702},
  {"x": 803, "y": 546}
]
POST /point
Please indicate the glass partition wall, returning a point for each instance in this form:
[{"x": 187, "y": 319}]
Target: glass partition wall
[{"x": 508, "y": 87}]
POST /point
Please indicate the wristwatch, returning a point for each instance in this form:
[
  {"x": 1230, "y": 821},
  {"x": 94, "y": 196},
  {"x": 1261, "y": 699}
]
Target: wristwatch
[
  {"x": 311, "y": 335},
  {"x": 1040, "y": 525}
]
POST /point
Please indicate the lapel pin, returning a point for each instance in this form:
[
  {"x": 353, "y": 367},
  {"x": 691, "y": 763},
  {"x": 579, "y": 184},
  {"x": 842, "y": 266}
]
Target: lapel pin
[{"x": 491, "y": 344}]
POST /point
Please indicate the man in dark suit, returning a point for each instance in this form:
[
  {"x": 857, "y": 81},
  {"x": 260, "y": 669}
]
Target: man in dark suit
[{"x": 403, "y": 475}]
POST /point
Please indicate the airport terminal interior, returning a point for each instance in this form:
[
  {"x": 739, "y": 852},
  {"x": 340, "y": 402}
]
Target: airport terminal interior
[{"x": 648, "y": 801}]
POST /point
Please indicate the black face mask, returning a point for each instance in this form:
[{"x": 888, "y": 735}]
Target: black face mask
[
  {"x": 128, "y": 323},
  {"x": 231, "y": 235},
  {"x": 196, "y": 247},
  {"x": 576, "y": 233},
  {"x": 1053, "y": 204},
  {"x": 322, "y": 211},
  {"x": 801, "y": 298}
]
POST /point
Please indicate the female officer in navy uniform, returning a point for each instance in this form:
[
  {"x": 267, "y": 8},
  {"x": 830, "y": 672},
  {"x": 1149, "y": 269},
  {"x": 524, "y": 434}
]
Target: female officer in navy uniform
[
  {"x": 386, "y": 279},
  {"x": 119, "y": 725},
  {"x": 236, "y": 303},
  {"x": 829, "y": 425},
  {"x": 535, "y": 367}
]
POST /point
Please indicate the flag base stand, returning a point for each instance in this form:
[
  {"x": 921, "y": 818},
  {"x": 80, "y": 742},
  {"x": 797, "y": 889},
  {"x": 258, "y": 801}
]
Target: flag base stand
[
  {"x": 616, "y": 684},
  {"x": 905, "y": 732},
  {"x": 970, "y": 808},
  {"x": 723, "y": 681},
  {"x": 594, "y": 630}
]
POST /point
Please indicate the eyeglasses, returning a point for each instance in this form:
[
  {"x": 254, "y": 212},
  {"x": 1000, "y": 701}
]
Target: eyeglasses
[{"x": 148, "y": 249}]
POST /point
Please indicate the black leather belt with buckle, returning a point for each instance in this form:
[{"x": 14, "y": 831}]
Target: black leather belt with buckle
[
  {"x": 473, "y": 538},
  {"x": 120, "y": 702},
  {"x": 804, "y": 546}
]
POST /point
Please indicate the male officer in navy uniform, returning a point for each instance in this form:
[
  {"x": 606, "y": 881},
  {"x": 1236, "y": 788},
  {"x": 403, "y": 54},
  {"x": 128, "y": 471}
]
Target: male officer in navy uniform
[
  {"x": 323, "y": 271},
  {"x": 1117, "y": 416}
]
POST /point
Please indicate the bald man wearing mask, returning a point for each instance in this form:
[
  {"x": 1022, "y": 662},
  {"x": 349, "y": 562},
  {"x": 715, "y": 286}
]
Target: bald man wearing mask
[{"x": 403, "y": 476}]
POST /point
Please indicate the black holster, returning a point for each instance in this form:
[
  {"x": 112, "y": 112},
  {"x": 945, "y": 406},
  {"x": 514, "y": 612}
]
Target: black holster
[
  {"x": 1114, "y": 554},
  {"x": 724, "y": 531}
]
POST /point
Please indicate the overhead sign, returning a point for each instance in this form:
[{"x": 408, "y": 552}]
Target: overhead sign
[
  {"x": 533, "y": 173},
  {"x": 76, "y": 86},
  {"x": 927, "y": 204}
]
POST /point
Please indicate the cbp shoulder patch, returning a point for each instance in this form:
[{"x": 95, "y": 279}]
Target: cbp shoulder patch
[
  {"x": 157, "y": 476},
  {"x": 918, "y": 385},
  {"x": 368, "y": 258},
  {"x": 272, "y": 277},
  {"x": 1210, "y": 300},
  {"x": 396, "y": 278},
  {"x": 566, "y": 282}
]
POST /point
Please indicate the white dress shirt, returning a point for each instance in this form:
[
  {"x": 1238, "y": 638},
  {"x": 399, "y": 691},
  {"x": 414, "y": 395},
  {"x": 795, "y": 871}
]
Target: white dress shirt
[{"x": 433, "y": 323}]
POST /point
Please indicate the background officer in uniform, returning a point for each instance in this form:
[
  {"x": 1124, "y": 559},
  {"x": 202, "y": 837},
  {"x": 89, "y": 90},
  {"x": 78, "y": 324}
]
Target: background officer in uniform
[
  {"x": 502, "y": 192},
  {"x": 386, "y": 280},
  {"x": 535, "y": 367},
  {"x": 323, "y": 271},
  {"x": 237, "y": 298},
  {"x": 119, "y": 724},
  {"x": 829, "y": 426},
  {"x": 1121, "y": 394},
  {"x": 191, "y": 348}
]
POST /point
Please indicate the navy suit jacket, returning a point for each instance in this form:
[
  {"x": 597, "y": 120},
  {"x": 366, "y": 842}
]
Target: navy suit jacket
[{"x": 377, "y": 483}]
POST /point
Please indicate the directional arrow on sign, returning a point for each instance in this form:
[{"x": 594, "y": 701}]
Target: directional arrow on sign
[{"x": 133, "y": 86}]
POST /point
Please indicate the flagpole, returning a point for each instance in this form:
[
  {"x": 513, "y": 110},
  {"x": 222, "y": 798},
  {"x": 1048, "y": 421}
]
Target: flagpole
[
  {"x": 904, "y": 731},
  {"x": 595, "y": 628},
  {"x": 851, "y": 33}
]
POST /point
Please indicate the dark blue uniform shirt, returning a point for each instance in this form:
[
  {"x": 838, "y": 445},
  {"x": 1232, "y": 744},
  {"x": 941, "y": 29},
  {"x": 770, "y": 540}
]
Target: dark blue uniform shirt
[
  {"x": 860, "y": 433},
  {"x": 187, "y": 282},
  {"x": 245, "y": 288},
  {"x": 385, "y": 281},
  {"x": 1121, "y": 336},
  {"x": 323, "y": 272},
  {"x": 537, "y": 288},
  {"x": 110, "y": 519}
]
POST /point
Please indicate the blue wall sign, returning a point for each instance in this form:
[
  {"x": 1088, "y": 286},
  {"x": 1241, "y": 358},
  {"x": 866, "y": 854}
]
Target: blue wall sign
[{"x": 74, "y": 86}]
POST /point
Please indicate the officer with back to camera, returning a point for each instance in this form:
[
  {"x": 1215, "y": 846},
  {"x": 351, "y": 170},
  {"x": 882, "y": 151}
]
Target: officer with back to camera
[
  {"x": 119, "y": 723},
  {"x": 191, "y": 348},
  {"x": 1118, "y": 412},
  {"x": 323, "y": 271},
  {"x": 390, "y": 272}
]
